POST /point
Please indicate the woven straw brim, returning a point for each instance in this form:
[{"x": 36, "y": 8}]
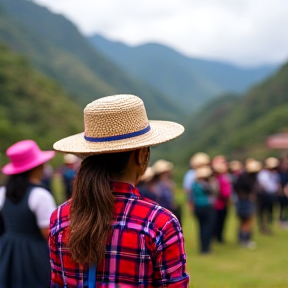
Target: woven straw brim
[{"x": 161, "y": 131}]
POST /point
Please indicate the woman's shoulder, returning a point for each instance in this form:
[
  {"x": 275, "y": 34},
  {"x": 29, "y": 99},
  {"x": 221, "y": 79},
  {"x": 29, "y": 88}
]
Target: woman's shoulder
[{"x": 60, "y": 218}]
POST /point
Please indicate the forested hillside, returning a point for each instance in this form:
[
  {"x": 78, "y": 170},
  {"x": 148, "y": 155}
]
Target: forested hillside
[
  {"x": 238, "y": 126},
  {"x": 32, "y": 106},
  {"x": 193, "y": 81},
  {"x": 55, "y": 47}
]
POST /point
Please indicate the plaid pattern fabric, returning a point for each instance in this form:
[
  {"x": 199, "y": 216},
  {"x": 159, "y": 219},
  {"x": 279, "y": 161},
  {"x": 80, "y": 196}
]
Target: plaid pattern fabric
[{"x": 146, "y": 248}]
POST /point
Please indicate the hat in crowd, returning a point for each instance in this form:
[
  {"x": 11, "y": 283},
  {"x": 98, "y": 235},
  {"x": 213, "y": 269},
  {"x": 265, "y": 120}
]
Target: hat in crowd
[
  {"x": 199, "y": 159},
  {"x": 271, "y": 163},
  {"x": 203, "y": 172},
  {"x": 117, "y": 123},
  {"x": 253, "y": 166},
  {"x": 219, "y": 159},
  {"x": 235, "y": 165},
  {"x": 162, "y": 166},
  {"x": 220, "y": 167},
  {"x": 148, "y": 175},
  {"x": 24, "y": 156},
  {"x": 70, "y": 158}
]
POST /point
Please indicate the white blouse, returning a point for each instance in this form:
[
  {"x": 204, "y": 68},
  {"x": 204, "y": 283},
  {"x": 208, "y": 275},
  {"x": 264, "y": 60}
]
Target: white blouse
[{"x": 40, "y": 202}]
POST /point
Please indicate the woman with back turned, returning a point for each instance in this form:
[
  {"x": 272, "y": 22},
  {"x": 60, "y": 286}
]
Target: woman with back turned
[
  {"x": 26, "y": 208},
  {"x": 107, "y": 235}
]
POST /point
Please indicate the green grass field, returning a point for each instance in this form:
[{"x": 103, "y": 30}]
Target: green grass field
[{"x": 230, "y": 266}]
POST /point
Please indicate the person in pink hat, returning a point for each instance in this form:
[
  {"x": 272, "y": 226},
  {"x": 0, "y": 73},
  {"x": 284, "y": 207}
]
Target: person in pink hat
[{"x": 26, "y": 208}]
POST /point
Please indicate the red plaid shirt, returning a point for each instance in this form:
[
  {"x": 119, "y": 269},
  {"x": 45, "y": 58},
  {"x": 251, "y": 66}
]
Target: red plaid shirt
[{"x": 146, "y": 248}]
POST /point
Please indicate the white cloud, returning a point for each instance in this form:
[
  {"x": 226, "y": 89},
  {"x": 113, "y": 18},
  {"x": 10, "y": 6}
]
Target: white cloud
[{"x": 246, "y": 32}]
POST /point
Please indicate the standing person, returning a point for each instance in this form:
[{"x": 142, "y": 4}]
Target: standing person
[
  {"x": 220, "y": 168},
  {"x": 203, "y": 197},
  {"x": 235, "y": 169},
  {"x": 68, "y": 172},
  {"x": 198, "y": 160},
  {"x": 107, "y": 233},
  {"x": 165, "y": 187},
  {"x": 146, "y": 184},
  {"x": 269, "y": 182},
  {"x": 283, "y": 199},
  {"x": 26, "y": 208},
  {"x": 246, "y": 187}
]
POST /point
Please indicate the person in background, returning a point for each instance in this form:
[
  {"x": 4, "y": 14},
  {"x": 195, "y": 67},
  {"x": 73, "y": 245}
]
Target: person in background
[
  {"x": 47, "y": 176},
  {"x": 235, "y": 170},
  {"x": 146, "y": 184},
  {"x": 220, "y": 168},
  {"x": 246, "y": 187},
  {"x": 26, "y": 208},
  {"x": 283, "y": 199},
  {"x": 269, "y": 181},
  {"x": 107, "y": 233},
  {"x": 164, "y": 187},
  {"x": 68, "y": 172},
  {"x": 198, "y": 160},
  {"x": 203, "y": 197}
]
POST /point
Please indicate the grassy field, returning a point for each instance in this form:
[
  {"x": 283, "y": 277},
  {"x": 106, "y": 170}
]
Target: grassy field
[{"x": 230, "y": 266}]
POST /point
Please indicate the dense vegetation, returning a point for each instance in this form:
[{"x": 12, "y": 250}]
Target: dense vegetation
[
  {"x": 32, "y": 106},
  {"x": 55, "y": 47}
]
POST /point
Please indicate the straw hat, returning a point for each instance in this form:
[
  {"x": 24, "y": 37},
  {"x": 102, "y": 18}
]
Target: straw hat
[
  {"x": 70, "y": 158},
  {"x": 235, "y": 165},
  {"x": 162, "y": 166},
  {"x": 253, "y": 166},
  {"x": 203, "y": 172},
  {"x": 199, "y": 159},
  {"x": 115, "y": 124},
  {"x": 271, "y": 163},
  {"x": 24, "y": 156},
  {"x": 148, "y": 175}
]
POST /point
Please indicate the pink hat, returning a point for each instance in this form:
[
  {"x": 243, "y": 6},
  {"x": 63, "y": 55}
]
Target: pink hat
[{"x": 25, "y": 155}]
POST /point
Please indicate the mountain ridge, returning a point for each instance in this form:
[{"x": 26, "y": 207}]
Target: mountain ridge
[{"x": 192, "y": 80}]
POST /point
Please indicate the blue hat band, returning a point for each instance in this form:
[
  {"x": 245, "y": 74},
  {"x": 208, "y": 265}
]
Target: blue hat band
[{"x": 118, "y": 137}]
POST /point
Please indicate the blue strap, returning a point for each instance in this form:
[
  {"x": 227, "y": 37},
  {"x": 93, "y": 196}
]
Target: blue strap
[
  {"x": 118, "y": 137},
  {"x": 92, "y": 276}
]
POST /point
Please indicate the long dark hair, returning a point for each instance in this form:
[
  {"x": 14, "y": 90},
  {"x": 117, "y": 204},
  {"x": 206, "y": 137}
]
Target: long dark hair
[
  {"x": 16, "y": 186},
  {"x": 92, "y": 206}
]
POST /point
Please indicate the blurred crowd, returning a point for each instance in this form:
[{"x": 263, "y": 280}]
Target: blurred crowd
[
  {"x": 254, "y": 188},
  {"x": 212, "y": 186}
]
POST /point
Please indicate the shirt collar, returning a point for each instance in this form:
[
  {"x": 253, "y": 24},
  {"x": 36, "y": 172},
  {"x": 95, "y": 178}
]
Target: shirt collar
[{"x": 124, "y": 188}]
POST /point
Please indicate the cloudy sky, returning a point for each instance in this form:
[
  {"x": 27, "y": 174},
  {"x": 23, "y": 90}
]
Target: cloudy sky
[{"x": 245, "y": 32}]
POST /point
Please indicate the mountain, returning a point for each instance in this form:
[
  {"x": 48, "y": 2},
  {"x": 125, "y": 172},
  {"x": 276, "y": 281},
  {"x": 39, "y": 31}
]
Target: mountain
[
  {"x": 238, "y": 126},
  {"x": 55, "y": 47},
  {"x": 33, "y": 106},
  {"x": 191, "y": 81}
]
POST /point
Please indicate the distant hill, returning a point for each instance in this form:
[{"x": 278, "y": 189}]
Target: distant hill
[
  {"x": 33, "y": 106},
  {"x": 191, "y": 81},
  {"x": 54, "y": 46},
  {"x": 238, "y": 126}
]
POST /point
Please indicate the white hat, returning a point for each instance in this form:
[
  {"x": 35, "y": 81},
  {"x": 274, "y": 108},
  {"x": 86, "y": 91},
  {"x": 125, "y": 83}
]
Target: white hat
[
  {"x": 70, "y": 158},
  {"x": 203, "y": 172},
  {"x": 162, "y": 166},
  {"x": 198, "y": 159},
  {"x": 271, "y": 163},
  {"x": 253, "y": 166},
  {"x": 117, "y": 123},
  {"x": 235, "y": 165},
  {"x": 148, "y": 175}
]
